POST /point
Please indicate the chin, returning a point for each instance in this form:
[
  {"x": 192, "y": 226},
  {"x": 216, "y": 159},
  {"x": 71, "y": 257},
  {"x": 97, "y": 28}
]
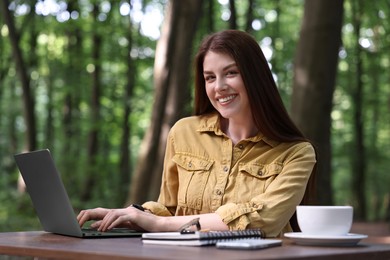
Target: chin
[{"x": 226, "y": 115}]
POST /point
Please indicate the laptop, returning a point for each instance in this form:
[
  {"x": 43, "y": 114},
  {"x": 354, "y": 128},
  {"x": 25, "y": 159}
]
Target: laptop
[{"x": 51, "y": 201}]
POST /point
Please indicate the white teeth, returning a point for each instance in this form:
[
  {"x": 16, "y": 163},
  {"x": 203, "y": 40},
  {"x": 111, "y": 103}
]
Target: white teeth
[{"x": 226, "y": 99}]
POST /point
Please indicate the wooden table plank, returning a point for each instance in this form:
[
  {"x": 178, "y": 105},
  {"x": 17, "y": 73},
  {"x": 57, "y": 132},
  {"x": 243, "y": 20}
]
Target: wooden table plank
[{"x": 46, "y": 245}]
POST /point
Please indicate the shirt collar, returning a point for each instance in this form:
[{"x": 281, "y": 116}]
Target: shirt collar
[{"x": 210, "y": 123}]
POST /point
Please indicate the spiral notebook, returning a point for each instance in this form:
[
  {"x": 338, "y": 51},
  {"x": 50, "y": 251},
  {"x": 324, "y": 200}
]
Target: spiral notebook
[{"x": 199, "y": 238}]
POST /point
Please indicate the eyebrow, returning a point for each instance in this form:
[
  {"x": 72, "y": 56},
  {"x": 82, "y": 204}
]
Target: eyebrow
[{"x": 225, "y": 68}]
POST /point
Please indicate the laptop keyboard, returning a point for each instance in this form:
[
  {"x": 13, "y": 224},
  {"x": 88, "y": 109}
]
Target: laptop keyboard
[{"x": 112, "y": 231}]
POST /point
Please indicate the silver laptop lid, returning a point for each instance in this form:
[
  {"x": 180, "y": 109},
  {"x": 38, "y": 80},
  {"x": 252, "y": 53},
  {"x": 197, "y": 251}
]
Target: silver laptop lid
[{"x": 47, "y": 192}]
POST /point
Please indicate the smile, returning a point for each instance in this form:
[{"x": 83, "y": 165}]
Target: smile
[{"x": 226, "y": 99}]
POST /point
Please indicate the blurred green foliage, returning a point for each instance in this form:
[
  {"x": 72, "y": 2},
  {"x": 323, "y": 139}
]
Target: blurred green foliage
[{"x": 57, "y": 44}]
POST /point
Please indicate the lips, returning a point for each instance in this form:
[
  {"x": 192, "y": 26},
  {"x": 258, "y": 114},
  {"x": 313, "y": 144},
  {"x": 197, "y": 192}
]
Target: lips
[{"x": 226, "y": 99}]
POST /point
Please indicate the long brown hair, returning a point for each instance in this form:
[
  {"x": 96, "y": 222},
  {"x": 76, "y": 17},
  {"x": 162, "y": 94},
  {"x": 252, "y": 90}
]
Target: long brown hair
[
  {"x": 268, "y": 110},
  {"x": 269, "y": 113}
]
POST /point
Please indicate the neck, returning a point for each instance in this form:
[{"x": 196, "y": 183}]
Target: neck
[{"x": 238, "y": 130}]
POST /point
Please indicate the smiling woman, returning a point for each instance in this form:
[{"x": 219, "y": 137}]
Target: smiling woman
[
  {"x": 58, "y": 68},
  {"x": 226, "y": 92},
  {"x": 239, "y": 163}
]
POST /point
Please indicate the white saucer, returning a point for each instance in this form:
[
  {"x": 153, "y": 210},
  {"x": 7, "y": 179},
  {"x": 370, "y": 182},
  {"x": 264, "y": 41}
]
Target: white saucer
[{"x": 317, "y": 240}]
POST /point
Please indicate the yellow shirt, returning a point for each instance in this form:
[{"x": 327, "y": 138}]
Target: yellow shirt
[{"x": 256, "y": 183}]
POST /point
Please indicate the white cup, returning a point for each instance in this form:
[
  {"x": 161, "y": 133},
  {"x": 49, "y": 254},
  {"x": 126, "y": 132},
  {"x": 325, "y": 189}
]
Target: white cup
[{"x": 325, "y": 220}]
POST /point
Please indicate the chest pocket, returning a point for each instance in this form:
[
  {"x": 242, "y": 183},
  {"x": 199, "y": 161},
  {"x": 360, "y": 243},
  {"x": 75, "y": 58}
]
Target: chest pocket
[
  {"x": 254, "y": 178},
  {"x": 193, "y": 175}
]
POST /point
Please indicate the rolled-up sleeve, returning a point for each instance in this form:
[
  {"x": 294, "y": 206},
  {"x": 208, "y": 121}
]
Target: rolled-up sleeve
[
  {"x": 272, "y": 210},
  {"x": 157, "y": 208}
]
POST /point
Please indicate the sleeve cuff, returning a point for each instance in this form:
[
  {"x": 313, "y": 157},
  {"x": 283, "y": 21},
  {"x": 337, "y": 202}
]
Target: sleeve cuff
[
  {"x": 157, "y": 208},
  {"x": 236, "y": 215}
]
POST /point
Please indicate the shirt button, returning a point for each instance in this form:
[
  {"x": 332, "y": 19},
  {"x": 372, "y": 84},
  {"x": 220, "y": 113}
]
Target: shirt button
[
  {"x": 241, "y": 146},
  {"x": 225, "y": 169},
  {"x": 260, "y": 173},
  {"x": 219, "y": 192},
  {"x": 189, "y": 165}
]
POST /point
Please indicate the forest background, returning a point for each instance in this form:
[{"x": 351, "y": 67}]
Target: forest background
[{"x": 100, "y": 82}]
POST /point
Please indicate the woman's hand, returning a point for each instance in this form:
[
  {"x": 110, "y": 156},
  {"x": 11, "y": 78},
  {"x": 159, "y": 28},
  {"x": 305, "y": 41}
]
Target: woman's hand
[
  {"x": 124, "y": 217},
  {"x": 129, "y": 217},
  {"x": 136, "y": 219},
  {"x": 91, "y": 214}
]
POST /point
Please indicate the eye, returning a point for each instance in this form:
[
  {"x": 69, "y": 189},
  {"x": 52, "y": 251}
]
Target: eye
[
  {"x": 209, "y": 78},
  {"x": 231, "y": 72}
]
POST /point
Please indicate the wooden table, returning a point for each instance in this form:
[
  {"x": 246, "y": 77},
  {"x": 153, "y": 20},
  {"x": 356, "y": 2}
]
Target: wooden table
[{"x": 46, "y": 245}]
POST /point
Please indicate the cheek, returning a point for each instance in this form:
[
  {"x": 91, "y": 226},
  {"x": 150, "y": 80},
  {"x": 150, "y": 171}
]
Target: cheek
[{"x": 210, "y": 92}]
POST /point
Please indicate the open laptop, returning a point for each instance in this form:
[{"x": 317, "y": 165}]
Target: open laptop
[{"x": 50, "y": 199}]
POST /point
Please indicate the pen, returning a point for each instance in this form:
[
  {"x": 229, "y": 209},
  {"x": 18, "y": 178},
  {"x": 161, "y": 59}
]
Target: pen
[{"x": 139, "y": 207}]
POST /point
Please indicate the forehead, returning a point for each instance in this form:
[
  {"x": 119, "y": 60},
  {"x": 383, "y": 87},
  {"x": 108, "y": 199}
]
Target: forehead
[{"x": 216, "y": 59}]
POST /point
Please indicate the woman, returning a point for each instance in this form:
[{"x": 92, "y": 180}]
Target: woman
[{"x": 239, "y": 163}]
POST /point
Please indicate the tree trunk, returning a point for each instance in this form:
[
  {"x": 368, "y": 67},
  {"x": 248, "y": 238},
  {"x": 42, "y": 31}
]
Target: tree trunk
[
  {"x": 93, "y": 140},
  {"x": 249, "y": 16},
  {"x": 378, "y": 205},
  {"x": 210, "y": 16},
  {"x": 359, "y": 158},
  {"x": 28, "y": 98},
  {"x": 233, "y": 15},
  {"x": 172, "y": 96},
  {"x": 274, "y": 36},
  {"x": 71, "y": 101},
  {"x": 314, "y": 82},
  {"x": 125, "y": 162}
]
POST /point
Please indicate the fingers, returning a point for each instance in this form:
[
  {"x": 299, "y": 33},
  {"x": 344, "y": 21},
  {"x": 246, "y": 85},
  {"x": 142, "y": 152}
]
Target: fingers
[
  {"x": 121, "y": 217},
  {"x": 114, "y": 218},
  {"x": 96, "y": 224},
  {"x": 82, "y": 217},
  {"x": 110, "y": 218},
  {"x": 91, "y": 214}
]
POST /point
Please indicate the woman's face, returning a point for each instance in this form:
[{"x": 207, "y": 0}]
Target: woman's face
[{"x": 224, "y": 86}]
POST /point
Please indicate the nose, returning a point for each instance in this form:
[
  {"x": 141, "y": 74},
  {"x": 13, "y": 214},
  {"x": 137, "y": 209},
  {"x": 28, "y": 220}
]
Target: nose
[{"x": 220, "y": 84}]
